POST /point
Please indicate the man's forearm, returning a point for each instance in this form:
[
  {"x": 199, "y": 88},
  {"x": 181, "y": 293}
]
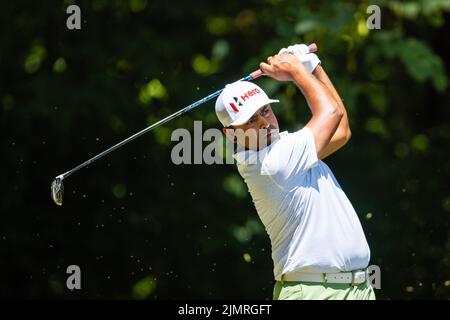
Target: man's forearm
[
  {"x": 321, "y": 75},
  {"x": 343, "y": 132},
  {"x": 326, "y": 114},
  {"x": 319, "y": 98}
]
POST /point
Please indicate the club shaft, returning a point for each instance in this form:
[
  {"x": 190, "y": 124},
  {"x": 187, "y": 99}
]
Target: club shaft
[
  {"x": 151, "y": 127},
  {"x": 250, "y": 77}
]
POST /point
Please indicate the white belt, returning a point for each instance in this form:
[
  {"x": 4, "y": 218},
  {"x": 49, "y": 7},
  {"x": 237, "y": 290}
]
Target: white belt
[{"x": 354, "y": 277}]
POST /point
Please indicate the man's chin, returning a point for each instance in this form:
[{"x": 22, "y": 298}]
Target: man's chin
[
  {"x": 267, "y": 140},
  {"x": 272, "y": 136}
]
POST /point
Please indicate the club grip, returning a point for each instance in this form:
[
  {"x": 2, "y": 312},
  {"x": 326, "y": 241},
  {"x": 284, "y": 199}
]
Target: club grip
[
  {"x": 313, "y": 47},
  {"x": 258, "y": 73}
]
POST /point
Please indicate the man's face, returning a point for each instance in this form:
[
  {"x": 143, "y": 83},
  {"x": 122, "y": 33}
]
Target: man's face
[{"x": 258, "y": 132}]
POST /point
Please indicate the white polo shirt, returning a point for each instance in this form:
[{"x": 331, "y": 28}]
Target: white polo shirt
[{"x": 310, "y": 221}]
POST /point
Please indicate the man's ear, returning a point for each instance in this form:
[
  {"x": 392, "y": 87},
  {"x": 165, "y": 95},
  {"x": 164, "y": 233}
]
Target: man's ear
[{"x": 229, "y": 133}]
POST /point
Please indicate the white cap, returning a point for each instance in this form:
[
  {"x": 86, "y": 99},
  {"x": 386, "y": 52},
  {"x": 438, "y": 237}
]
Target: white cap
[{"x": 239, "y": 101}]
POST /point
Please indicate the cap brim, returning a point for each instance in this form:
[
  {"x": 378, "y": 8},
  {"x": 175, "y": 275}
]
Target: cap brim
[{"x": 245, "y": 116}]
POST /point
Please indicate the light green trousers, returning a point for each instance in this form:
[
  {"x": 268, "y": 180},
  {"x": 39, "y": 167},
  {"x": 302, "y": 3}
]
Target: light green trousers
[{"x": 295, "y": 290}]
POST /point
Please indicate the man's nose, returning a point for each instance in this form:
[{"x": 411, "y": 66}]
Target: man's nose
[{"x": 262, "y": 122}]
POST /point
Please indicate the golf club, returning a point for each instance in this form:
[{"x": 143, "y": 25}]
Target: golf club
[{"x": 57, "y": 186}]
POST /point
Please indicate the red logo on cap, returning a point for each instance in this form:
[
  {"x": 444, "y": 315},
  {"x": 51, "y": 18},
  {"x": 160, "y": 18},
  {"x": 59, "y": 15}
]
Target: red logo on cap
[
  {"x": 250, "y": 93},
  {"x": 234, "y": 107},
  {"x": 236, "y": 100},
  {"x": 245, "y": 96}
]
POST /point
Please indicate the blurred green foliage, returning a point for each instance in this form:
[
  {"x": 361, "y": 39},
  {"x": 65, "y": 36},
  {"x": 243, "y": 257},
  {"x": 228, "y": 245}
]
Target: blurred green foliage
[{"x": 140, "y": 227}]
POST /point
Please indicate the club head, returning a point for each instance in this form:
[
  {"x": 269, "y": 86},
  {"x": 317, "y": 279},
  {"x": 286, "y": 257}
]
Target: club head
[{"x": 57, "y": 190}]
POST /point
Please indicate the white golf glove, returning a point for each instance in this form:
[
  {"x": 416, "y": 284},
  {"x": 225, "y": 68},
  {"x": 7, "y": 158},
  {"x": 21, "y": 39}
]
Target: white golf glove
[{"x": 301, "y": 51}]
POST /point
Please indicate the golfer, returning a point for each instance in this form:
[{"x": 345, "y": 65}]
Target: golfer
[{"x": 319, "y": 249}]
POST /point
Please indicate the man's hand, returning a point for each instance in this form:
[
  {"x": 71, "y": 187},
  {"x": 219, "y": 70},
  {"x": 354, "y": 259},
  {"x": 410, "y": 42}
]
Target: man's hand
[
  {"x": 301, "y": 51},
  {"x": 282, "y": 67}
]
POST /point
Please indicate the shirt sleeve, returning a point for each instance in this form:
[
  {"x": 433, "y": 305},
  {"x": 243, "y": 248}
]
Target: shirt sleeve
[{"x": 292, "y": 156}]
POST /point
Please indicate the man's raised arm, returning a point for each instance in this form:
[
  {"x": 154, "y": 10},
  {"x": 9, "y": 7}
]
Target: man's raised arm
[
  {"x": 343, "y": 132},
  {"x": 326, "y": 113}
]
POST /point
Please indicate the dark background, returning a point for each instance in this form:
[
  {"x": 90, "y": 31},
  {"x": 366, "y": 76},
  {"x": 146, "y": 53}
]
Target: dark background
[{"x": 141, "y": 227}]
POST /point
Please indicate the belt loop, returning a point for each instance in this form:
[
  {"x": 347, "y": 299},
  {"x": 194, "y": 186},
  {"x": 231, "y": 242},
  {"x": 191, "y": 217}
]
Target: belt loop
[
  {"x": 353, "y": 278},
  {"x": 282, "y": 279}
]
